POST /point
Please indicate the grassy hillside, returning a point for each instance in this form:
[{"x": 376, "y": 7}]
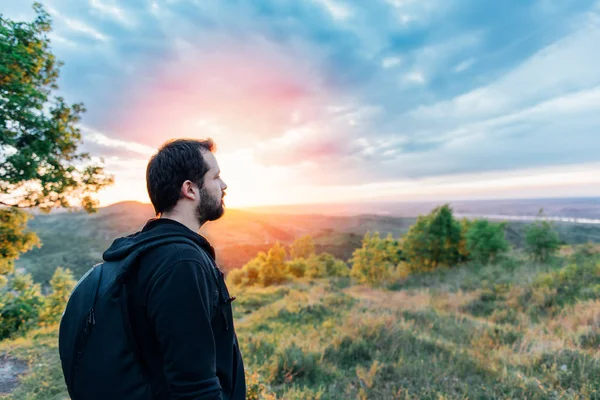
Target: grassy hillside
[
  {"x": 511, "y": 330},
  {"x": 77, "y": 240}
]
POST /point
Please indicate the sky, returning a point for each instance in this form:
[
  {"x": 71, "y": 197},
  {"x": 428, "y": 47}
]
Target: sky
[{"x": 314, "y": 101}]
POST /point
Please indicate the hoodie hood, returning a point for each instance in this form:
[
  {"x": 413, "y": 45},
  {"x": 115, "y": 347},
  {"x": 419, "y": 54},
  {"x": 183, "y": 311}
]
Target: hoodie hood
[{"x": 157, "y": 232}]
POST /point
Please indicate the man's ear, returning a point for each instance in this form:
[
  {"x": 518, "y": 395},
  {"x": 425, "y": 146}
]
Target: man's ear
[{"x": 189, "y": 190}]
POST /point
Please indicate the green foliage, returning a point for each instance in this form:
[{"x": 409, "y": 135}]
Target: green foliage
[
  {"x": 39, "y": 134},
  {"x": 475, "y": 331},
  {"x": 271, "y": 268},
  {"x": 14, "y": 238},
  {"x": 542, "y": 240},
  {"x": 485, "y": 241},
  {"x": 296, "y": 267},
  {"x": 20, "y": 304},
  {"x": 62, "y": 283},
  {"x": 303, "y": 247},
  {"x": 433, "y": 241},
  {"x": 376, "y": 260}
]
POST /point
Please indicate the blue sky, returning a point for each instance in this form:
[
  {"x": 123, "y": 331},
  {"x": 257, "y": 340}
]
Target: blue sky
[{"x": 322, "y": 100}]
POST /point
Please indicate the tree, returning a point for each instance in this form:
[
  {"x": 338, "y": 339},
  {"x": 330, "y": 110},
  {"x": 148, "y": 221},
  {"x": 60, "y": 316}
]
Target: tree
[
  {"x": 303, "y": 247},
  {"x": 433, "y": 241},
  {"x": 375, "y": 261},
  {"x": 541, "y": 240},
  {"x": 296, "y": 267},
  {"x": 274, "y": 269},
  {"x": 40, "y": 164},
  {"x": 20, "y": 304},
  {"x": 14, "y": 239},
  {"x": 485, "y": 240},
  {"x": 62, "y": 283}
]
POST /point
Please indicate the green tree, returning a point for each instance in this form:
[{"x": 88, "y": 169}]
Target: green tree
[
  {"x": 20, "y": 302},
  {"x": 376, "y": 260},
  {"x": 541, "y": 240},
  {"x": 40, "y": 164},
  {"x": 485, "y": 240},
  {"x": 435, "y": 240},
  {"x": 62, "y": 283},
  {"x": 303, "y": 247}
]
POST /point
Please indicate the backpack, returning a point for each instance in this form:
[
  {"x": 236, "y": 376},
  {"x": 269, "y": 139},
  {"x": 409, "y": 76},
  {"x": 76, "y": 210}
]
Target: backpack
[{"x": 99, "y": 356}]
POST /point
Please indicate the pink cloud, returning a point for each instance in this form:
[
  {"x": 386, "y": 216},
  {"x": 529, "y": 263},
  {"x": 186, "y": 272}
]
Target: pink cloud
[{"x": 244, "y": 93}]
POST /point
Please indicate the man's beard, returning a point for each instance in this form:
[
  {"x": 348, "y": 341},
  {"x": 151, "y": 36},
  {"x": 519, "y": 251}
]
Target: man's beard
[{"x": 209, "y": 209}]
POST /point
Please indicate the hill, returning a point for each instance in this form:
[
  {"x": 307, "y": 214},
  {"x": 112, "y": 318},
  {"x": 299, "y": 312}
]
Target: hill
[
  {"x": 76, "y": 240},
  {"x": 513, "y": 330}
]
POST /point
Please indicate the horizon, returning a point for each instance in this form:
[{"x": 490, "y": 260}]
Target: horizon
[{"x": 310, "y": 101}]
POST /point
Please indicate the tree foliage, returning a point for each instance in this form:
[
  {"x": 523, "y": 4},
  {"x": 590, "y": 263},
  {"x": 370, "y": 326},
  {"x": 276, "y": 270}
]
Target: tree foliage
[
  {"x": 41, "y": 165},
  {"x": 485, "y": 240},
  {"x": 20, "y": 303},
  {"x": 376, "y": 260},
  {"x": 62, "y": 283},
  {"x": 542, "y": 240},
  {"x": 303, "y": 247},
  {"x": 40, "y": 162},
  {"x": 14, "y": 239},
  {"x": 433, "y": 241},
  {"x": 273, "y": 270}
]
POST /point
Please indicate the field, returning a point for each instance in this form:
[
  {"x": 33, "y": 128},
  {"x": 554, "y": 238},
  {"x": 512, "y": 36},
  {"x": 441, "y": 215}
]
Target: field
[{"x": 511, "y": 330}]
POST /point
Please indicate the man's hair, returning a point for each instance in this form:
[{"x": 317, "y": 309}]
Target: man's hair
[{"x": 175, "y": 162}]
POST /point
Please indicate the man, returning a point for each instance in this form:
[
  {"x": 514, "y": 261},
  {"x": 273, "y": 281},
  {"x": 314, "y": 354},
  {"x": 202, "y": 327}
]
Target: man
[{"x": 180, "y": 308}]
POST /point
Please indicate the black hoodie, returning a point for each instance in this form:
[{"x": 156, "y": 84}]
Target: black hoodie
[{"x": 181, "y": 314}]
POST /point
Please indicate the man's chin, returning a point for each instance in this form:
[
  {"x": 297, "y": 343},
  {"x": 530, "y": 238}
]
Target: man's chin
[{"x": 218, "y": 214}]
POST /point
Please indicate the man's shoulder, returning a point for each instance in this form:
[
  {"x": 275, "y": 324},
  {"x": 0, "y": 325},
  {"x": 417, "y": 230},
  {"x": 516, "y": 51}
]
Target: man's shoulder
[{"x": 169, "y": 256}]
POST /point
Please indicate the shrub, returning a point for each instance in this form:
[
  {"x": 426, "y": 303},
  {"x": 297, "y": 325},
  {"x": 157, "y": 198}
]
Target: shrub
[
  {"x": 303, "y": 247},
  {"x": 62, "y": 283},
  {"x": 20, "y": 304},
  {"x": 485, "y": 241},
  {"x": 296, "y": 267},
  {"x": 235, "y": 277},
  {"x": 375, "y": 261},
  {"x": 273, "y": 270},
  {"x": 542, "y": 240},
  {"x": 433, "y": 241}
]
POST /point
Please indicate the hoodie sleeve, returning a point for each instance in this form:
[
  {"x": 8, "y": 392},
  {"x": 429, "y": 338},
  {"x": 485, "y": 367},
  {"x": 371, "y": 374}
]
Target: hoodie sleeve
[{"x": 179, "y": 306}]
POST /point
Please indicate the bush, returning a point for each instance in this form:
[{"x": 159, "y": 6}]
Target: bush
[
  {"x": 272, "y": 271},
  {"x": 433, "y": 241},
  {"x": 20, "y": 304},
  {"x": 376, "y": 260},
  {"x": 303, "y": 247},
  {"x": 235, "y": 277},
  {"x": 485, "y": 241},
  {"x": 296, "y": 267},
  {"x": 541, "y": 240},
  {"x": 62, "y": 283}
]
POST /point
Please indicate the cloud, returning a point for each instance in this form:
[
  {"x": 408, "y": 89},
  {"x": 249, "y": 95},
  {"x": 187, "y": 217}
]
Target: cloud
[{"x": 366, "y": 91}]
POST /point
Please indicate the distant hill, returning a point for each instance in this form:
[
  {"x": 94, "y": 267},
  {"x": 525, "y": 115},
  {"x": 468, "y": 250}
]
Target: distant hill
[
  {"x": 76, "y": 240},
  {"x": 561, "y": 207}
]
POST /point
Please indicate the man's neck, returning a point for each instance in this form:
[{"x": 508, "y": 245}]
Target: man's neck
[{"x": 190, "y": 223}]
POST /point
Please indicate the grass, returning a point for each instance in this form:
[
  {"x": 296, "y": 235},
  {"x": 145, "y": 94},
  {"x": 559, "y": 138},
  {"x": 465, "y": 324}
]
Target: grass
[{"x": 512, "y": 330}]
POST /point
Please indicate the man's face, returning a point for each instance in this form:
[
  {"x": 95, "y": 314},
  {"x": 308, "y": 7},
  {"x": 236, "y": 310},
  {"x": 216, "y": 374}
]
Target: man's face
[{"x": 211, "y": 206}]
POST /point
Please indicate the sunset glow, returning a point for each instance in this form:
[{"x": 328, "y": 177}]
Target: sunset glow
[{"x": 327, "y": 101}]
